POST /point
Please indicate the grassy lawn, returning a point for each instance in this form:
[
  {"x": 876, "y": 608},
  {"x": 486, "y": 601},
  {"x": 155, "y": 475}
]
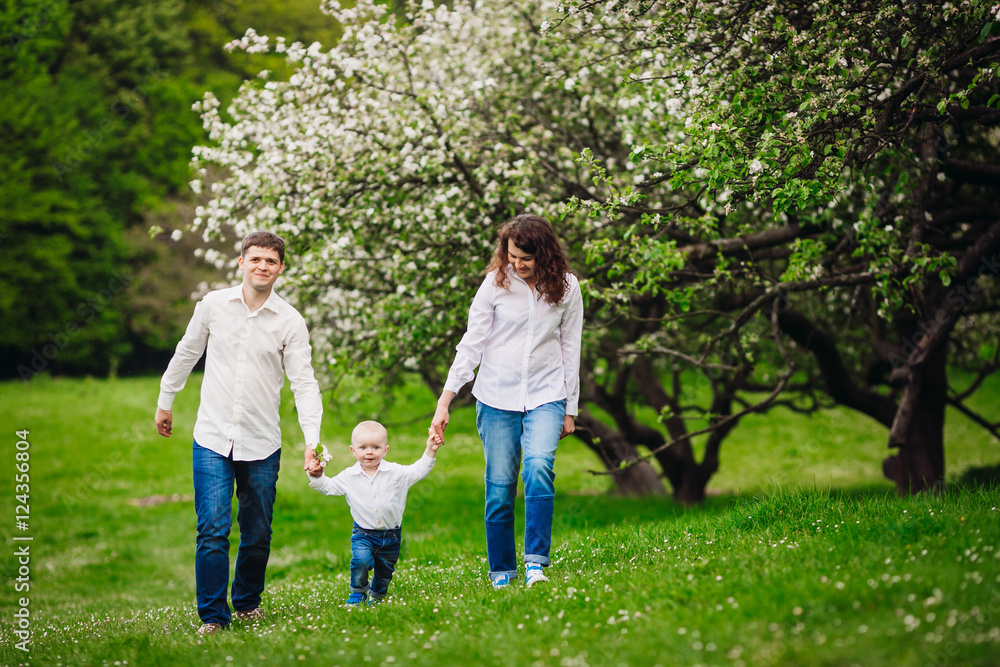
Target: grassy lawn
[{"x": 803, "y": 555}]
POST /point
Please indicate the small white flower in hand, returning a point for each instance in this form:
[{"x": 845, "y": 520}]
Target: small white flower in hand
[{"x": 323, "y": 454}]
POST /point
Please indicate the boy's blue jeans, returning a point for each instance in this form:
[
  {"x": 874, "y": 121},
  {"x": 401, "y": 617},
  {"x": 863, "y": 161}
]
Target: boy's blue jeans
[
  {"x": 507, "y": 436},
  {"x": 373, "y": 549},
  {"x": 255, "y": 481}
]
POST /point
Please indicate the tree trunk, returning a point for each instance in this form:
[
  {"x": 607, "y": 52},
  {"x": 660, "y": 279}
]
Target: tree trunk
[
  {"x": 688, "y": 478},
  {"x": 637, "y": 479},
  {"x": 919, "y": 465}
]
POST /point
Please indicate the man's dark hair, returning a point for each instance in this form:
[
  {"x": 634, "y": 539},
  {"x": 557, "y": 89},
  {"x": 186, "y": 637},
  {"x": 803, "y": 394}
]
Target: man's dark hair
[{"x": 264, "y": 240}]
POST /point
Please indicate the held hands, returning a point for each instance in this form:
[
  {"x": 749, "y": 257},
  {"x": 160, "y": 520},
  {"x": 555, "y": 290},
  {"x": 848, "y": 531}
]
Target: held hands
[
  {"x": 315, "y": 468},
  {"x": 310, "y": 457},
  {"x": 440, "y": 422},
  {"x": 317, "y": 456},
  {"x": 434, "y": 441},
  {"x": 164, "y": 420}
]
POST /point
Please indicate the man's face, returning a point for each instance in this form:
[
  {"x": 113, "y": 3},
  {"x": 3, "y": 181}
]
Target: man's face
[
  {"x": 260, "y": 267},
  {"x": 370, "y": 454}
]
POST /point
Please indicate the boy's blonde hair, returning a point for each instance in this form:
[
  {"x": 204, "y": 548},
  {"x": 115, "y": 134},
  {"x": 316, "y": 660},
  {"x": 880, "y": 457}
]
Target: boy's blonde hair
[{"x": 369, "y": 432}]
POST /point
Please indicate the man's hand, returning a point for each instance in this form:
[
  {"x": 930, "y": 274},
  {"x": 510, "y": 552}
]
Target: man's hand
[
  {"x": 314, "y": 468},
  {"x": 310, "y": 457},
  {"x": 164, "y": 422},
  {"x": 569, "y": 425}
]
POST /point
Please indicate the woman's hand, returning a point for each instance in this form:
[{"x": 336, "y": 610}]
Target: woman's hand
[
  {"x": 569, "y": 425},
  {"x": 440, "y": 421}
]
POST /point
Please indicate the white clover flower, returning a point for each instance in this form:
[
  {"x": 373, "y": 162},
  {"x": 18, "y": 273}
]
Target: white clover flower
[{"x": 176, "y": 235}]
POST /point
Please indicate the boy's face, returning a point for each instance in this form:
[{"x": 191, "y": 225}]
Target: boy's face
[{"x": 370, "y": 454}]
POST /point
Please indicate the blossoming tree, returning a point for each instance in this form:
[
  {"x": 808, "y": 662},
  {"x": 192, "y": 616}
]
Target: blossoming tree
[
  {"x": 697, "y": 177},
  {"x": 837, "y": 167}
]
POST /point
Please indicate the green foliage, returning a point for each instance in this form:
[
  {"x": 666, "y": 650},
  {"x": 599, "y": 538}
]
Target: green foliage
[{"x": 95, "y": 111}]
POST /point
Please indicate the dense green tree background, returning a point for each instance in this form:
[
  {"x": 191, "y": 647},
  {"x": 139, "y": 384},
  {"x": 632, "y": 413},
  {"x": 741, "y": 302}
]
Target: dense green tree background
[{"x": 97, "y": 126}]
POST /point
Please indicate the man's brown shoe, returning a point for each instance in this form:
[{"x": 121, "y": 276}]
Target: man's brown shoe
[
  {"x": 209, "y": 629},
  {"x": 251, "y": 615}
]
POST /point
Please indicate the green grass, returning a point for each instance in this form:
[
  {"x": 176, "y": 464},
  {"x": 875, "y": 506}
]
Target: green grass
[{"x": 803, "y": 556}]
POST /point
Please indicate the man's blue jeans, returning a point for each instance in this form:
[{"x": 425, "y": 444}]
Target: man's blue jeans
[
  {"x": 374, "y": 549},
  {"x": 506, "y": 437},
  {"x": 214, "y": 476}
]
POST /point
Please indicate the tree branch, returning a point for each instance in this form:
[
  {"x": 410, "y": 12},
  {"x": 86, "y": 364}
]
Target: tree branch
[{"x": 976, "y": 417}]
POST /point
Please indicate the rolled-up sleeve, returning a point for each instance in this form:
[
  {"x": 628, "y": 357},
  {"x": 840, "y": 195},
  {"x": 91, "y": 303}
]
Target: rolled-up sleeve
[
  {"x": 470, "y": 348},
  {"x": 186, "y": 355},
  {"x": 298, "y": 367},
  {"x": 570, "y": 337}
]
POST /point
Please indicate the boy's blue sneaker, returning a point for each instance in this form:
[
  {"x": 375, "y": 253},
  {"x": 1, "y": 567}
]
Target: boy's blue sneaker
[
  {"x": 501, "y": 581},
  {"x": 356, "y": 598},
  {"x": 535, "y": 574}
]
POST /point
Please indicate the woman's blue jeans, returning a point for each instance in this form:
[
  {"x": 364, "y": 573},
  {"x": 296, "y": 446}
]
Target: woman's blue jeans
[
  {"x": 214, "y": 476},
  {"x": 507, "y": 438},
  {"x": 376, "y": 550}
]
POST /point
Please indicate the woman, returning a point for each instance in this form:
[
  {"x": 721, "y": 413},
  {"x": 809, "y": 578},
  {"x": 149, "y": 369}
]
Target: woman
[{"x": 524, "y": 332}]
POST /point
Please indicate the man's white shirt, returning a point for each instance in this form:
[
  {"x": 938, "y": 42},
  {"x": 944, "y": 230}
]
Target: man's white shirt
[
  {"x": 528, "y": 351},
  {"x": 248, "y": 356},
  {"x": 376, "y": 502}
]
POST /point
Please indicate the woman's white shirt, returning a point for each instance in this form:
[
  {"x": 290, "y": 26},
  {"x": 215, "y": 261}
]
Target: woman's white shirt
[{"x": 528, "y": 351}]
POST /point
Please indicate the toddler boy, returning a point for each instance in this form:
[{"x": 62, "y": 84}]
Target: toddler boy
[{"x": 376, "y": 493}]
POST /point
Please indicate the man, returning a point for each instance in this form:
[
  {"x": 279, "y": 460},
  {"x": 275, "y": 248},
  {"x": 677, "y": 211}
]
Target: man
[{"x": 250, "y": 333}]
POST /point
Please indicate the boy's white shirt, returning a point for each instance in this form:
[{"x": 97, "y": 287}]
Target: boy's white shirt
[{"x": 376, "y": 502}]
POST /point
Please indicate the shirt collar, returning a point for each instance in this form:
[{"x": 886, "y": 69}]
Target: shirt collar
[
  {"x": 272, "y": 302},
  {"x": 356, "y": 469}
]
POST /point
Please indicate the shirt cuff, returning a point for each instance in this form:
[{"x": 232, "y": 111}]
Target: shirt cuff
[
  {"x": 312, "y": 437},
  {"x": 165, "y": 401},
  {"x": 453, "y": 386}
]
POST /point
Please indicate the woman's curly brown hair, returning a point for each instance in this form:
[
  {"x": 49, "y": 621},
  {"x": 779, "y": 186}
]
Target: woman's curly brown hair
[{"x": 534, "y": 236}]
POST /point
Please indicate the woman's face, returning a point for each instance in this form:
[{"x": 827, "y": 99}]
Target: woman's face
[{"x": 523, "y": 262}]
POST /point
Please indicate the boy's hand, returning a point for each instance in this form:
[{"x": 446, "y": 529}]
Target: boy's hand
[
  {"x": 315, "y": 469},
  {"x": 434, "y": 439}
]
